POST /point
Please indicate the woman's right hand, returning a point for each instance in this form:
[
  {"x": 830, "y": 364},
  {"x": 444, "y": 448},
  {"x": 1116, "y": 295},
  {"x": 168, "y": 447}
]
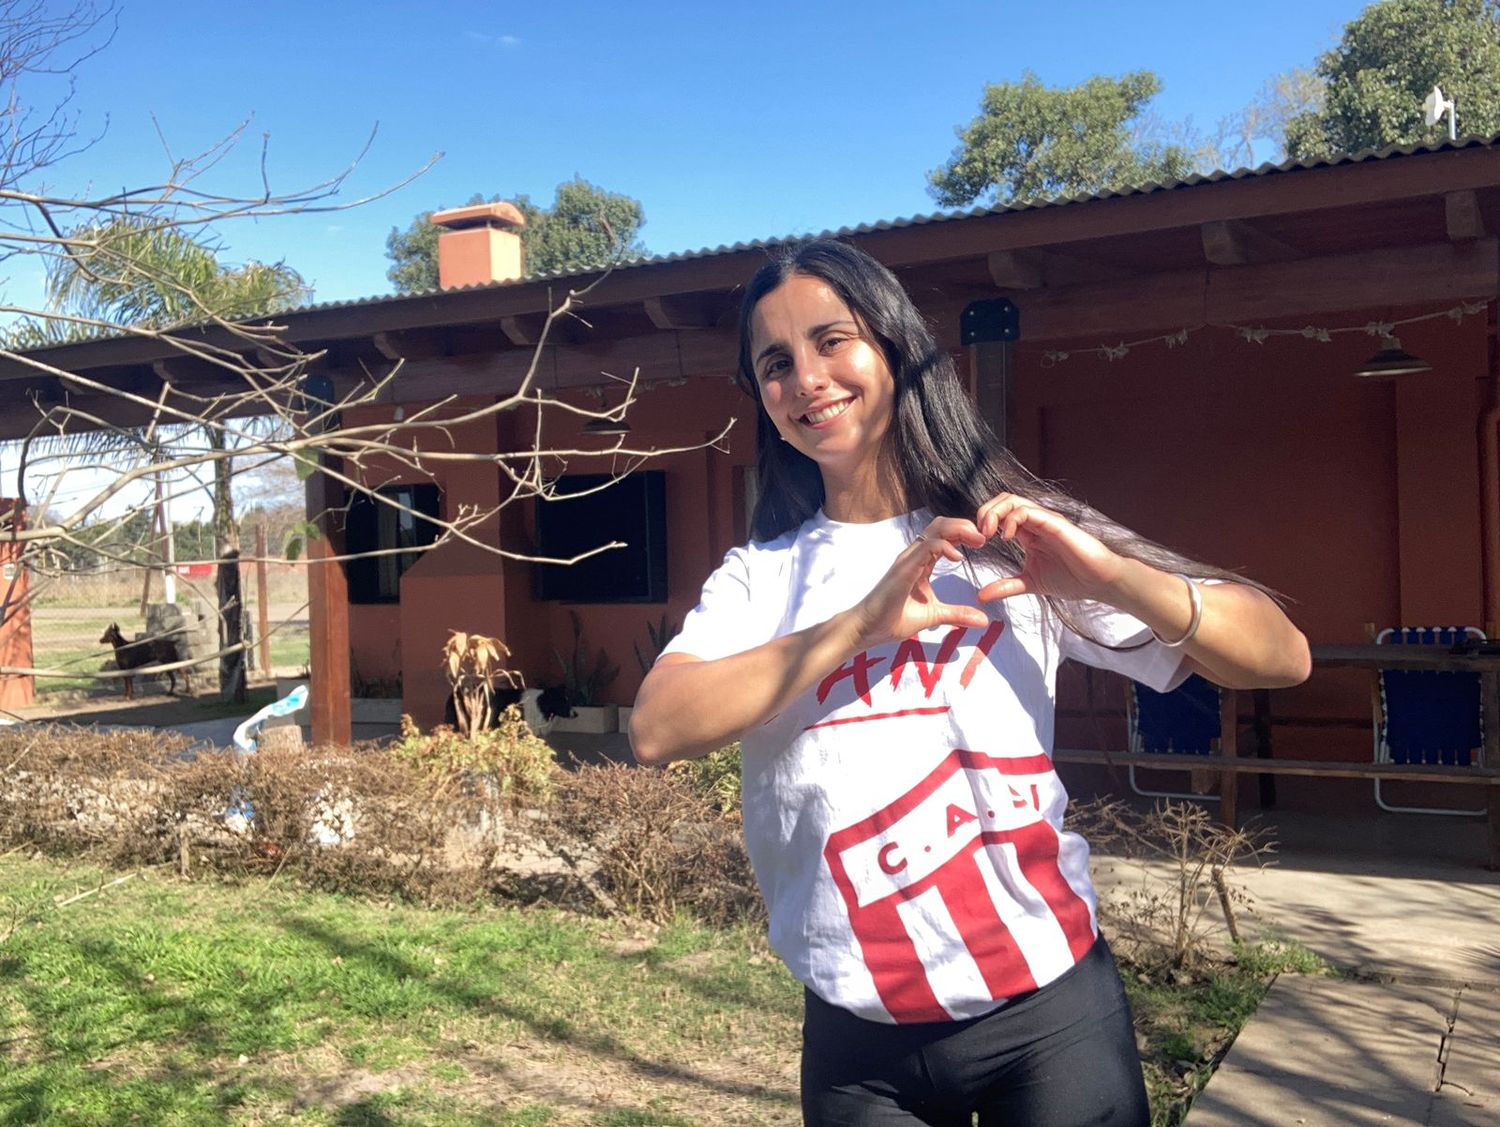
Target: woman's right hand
[
  {"x": 903, "y": 602},
  {"x": 670, "y": 721}
]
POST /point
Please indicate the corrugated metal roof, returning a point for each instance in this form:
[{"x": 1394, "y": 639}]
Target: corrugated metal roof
[{"x": 1268, "y": 169}]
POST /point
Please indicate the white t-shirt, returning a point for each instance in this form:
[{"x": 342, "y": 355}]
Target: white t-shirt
[{"x": 903, "y": 816}]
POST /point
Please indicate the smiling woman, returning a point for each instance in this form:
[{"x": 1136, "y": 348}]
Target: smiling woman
[
  {"x": 825, "y": 386},
  {"x": 886, "y": 649}
]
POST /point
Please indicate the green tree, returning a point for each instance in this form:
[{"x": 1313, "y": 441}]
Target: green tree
[
  {"x": 145, "y": 274},
  {"x": 193, "y": 540},
  {"x": 1031, "y": 141},
  {"x": 150, "y": 275},
  {"x": 1390, "y": 58},
  {"x": 585, "y": 226}
]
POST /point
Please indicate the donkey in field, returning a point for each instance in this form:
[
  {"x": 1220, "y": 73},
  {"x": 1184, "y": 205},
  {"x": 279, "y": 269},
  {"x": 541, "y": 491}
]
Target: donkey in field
[{"x": 145, "y": 651}]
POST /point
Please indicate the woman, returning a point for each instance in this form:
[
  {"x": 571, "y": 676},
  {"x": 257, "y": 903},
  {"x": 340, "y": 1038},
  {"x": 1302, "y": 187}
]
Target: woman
[{"x": 885, "y": 650}]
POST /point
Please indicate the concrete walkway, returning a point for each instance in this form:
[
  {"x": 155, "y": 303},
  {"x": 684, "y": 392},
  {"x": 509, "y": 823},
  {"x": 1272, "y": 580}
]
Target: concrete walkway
[
  {"x": 220, "y": 733},
  {"x": 1403, "y": 903}
]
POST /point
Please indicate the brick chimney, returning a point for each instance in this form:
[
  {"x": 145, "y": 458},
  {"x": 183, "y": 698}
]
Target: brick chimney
[{"x": 479, "y": 244}]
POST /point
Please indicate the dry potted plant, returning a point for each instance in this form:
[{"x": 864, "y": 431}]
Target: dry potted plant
[{"x": 475, "y": 666}]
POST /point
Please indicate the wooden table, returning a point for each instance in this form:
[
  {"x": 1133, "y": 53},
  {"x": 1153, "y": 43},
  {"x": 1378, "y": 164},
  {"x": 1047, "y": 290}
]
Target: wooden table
[
  {"x": 1441, "y": 659},
  {"x": 1369, "y": 657}
]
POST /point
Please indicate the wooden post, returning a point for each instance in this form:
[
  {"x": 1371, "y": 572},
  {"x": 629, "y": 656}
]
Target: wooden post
[
  {"x": 993, "y": 395},
  {"x": 1262, "y": 705},
  {"x": 1489, "y": 756},
  {"x": 989, "y": 329},
  {"x": 328, "y": 612},
  {"x": 1229, "y": 746},
  {"x": 262, "y": 601},
  {"x": 232, "y": 661}
]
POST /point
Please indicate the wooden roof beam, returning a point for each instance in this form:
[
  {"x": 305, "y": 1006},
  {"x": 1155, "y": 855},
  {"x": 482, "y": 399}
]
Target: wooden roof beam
[
  {"x": 1400, "y": 277},
  {"x": 1016, "y": 269},
  {"x": 686, "y": 311},
  {"x": 1033, "y": 269},
  {"x": 1465, "y": 219},
  {"x": 1234, "y": 242},
  {"x": 523, "y": 330},
  {"x": 476, "y": 340},
  {"x": 181, "y": 370},
  {"x": 410, "y": 344},
  {"x": 657, "y": 356},
  {"x": 1427, "y": 176}
]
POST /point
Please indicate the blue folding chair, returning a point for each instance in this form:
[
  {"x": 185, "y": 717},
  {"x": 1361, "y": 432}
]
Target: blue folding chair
[
  {"x": 1428, "y": 716},
  {"x": 1182, "y": 722}
]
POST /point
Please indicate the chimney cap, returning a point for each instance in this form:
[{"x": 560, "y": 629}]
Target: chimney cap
[{"x": 500, "y": 215}]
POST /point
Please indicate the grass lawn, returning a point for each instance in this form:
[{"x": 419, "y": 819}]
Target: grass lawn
[
  {"x": 1185, "y": 1022},
  {"x": 66, "y": 639},
  {"x": 73, "y": 644},
  {"x": 87, "y": 660},
  {"x": 157, "y": 1001},
  {"x": 160, "y": 1002},
  {"x": 291, "y": 647}
]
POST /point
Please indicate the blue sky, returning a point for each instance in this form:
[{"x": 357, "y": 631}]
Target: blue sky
[{"x": 728, "y": 121}]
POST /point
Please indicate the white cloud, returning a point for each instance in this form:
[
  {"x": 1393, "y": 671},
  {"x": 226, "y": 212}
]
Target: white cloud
[{"x": 502, "y": 40}]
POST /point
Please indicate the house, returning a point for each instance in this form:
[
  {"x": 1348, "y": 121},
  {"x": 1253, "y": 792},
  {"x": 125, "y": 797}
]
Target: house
[{"x": 1186, "y": 362}]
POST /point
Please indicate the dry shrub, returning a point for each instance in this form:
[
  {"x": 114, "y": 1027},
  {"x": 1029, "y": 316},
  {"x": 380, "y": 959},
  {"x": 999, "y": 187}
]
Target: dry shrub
[
  {"x": 82, "y": 790},
  {"x": 424, "y": 818},
  {"x": 654, "y": 844},
  {"x": 1169, "y": 921}
]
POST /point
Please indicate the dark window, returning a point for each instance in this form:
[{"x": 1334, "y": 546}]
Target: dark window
[
  {"x": 591, "y": 510},
  {"x": 374, "y": 526}
]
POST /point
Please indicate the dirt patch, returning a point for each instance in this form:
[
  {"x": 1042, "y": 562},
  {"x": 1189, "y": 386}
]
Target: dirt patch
[
  {"x": 576, "y": 1083},
  {"x": 350, "y": 1087}
]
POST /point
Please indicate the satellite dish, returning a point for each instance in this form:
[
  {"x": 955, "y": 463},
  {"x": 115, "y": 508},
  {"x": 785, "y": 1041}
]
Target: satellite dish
[{"x": 1434, "y": 106}]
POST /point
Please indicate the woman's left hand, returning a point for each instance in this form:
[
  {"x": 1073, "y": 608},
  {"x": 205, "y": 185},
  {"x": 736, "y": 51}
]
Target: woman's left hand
[
  {"x": 1061, "y": 558},
  {"x": 1243, "y": 639}
]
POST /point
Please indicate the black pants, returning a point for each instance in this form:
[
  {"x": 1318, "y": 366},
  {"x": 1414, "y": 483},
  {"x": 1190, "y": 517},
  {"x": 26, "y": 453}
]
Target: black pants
[{"x": 1060, "y": 1056}]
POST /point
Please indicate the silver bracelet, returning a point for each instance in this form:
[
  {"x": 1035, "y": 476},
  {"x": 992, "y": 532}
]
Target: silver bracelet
[{"x": 1196, "y": 598}]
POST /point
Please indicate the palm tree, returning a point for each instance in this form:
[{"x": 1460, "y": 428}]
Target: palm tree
[{"x": 145, "y": 274}]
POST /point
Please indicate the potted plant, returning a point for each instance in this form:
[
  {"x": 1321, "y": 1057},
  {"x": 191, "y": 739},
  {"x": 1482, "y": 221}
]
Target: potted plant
[
  {"x": 585, "y": 681},
  {"x": 658, "y": 634},
  {"x": 374, "y": 700},
  {"x": 475, "y": 667}
]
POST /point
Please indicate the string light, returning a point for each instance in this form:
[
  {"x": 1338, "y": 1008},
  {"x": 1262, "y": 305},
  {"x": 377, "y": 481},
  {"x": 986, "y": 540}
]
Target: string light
[{"x": 1259, "y": 334}]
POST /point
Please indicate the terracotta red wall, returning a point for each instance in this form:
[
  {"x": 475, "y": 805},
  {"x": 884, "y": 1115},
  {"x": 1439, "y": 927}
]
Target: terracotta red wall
[
  {"x": 1358, "y": 500},
  {"x": 454, "y": 587},
  {"x": 701, "y": 523},
  {"x": 459, "y": 587}
]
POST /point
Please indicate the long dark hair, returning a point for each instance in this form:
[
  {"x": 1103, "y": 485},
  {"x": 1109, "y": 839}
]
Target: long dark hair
[{"x": 946, "y": 457}]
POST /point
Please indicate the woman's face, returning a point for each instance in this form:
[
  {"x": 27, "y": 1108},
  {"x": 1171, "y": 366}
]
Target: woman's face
[{"x": 825, "y": 385}]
